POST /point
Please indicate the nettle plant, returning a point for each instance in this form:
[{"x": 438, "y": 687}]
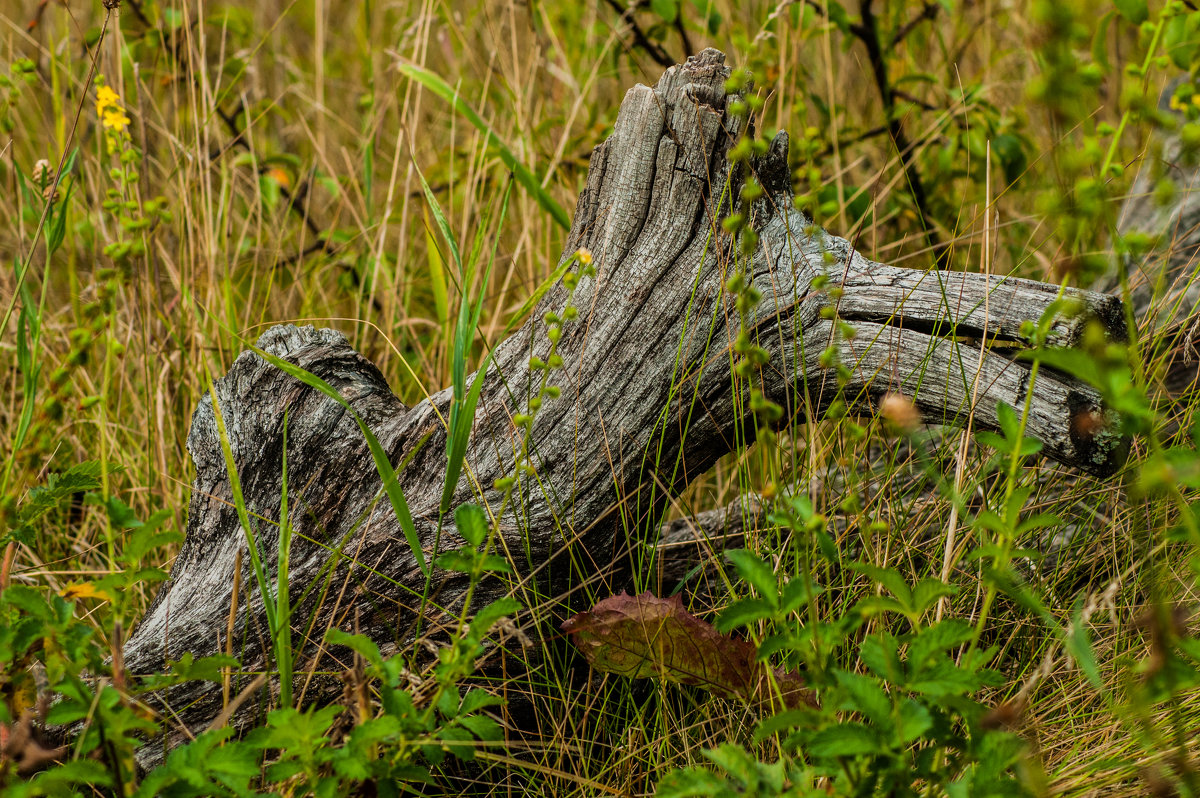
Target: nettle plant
[
  {"x": 904, "y": 698},
  {"x": 875, "y": 696}
]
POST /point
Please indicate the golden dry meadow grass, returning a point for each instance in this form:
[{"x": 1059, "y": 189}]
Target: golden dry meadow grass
[{"x": 239, "y": 165}]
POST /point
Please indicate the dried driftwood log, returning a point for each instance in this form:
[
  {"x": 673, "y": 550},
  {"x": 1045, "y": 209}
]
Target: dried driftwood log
[{"x": 648, "y": 400}]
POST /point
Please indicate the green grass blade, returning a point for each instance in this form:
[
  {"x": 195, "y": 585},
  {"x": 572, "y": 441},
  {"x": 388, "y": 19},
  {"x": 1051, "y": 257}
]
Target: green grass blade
[
  {"x": 437, "y": 278},
  {"x": 239, "y": 502},
  {"x": 460, "y": 432},
  {"x": 283, "y": 611},
  {"x": 440, "y": 218},
  {"x": 524, "y": 176},
  {"x": 390, "y": 484},
  {"x": 462, "y": 408}
]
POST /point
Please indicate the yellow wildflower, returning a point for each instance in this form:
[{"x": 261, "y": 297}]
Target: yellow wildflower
[
  {"x": 106, "y": 98},
  {"x": 115, "y": 120},
  {"x": 585, "y": 256}
]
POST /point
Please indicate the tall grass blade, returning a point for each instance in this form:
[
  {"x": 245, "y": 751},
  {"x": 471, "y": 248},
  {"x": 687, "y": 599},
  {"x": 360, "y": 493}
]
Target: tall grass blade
[
  {"x": 524, "y": 176},
  {"x": 283, "y": 611},
  {"x": 462, "y": 407},
  {"x": 239, "y": 502},
  {"x": 390, "y": 484},
  {"x": 437, "y": 278}
]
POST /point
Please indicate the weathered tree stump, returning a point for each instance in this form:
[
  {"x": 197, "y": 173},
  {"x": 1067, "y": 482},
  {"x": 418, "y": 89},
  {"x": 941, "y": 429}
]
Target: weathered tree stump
[{"x": 648, "y": 399}]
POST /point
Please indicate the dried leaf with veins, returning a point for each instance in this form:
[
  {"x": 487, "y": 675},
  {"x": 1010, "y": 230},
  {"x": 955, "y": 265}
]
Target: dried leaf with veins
[{"x": 643, "y": 636}]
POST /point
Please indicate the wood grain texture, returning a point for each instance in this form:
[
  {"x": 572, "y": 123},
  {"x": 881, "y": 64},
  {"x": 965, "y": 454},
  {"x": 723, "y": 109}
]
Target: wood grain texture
[{"x": 648, "y": 401}]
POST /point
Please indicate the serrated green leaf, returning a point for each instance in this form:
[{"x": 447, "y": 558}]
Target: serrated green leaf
[
  {"x": 755, "y": 571},
  {"x": 865, "y": 695},
  {"x": 472, "y": 523},
  {"x": 845, "y": 740},
  {"x": 743, "y": 613}
]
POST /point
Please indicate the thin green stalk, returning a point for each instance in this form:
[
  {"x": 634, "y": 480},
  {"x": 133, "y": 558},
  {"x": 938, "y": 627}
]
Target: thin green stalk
[{"x": 283, "y": 610}]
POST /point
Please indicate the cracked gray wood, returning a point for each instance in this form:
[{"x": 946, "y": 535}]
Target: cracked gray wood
[{"x": 647, "y": 402}]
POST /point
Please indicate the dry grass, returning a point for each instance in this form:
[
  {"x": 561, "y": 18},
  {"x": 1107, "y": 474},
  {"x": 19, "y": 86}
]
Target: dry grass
[{"x": 286, "y": 145}]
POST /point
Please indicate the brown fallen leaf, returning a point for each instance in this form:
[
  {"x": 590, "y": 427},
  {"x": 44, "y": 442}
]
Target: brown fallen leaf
[
  {"x": 22, "y": 747},
  {"x": 644, "y": 636}
]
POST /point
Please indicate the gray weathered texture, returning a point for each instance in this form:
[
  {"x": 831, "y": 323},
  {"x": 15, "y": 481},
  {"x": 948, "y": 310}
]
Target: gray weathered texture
[
  {"x": 1163, "y": 288},
  {"x": 647, "y": 396}
]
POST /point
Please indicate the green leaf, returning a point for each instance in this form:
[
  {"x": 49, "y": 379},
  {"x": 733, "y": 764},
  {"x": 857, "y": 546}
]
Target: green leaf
[
  {"x": 797, "y": 593},
  {"x": 1134, "y": 11},
  {"x": 755, "y": 571},
  {"x": 845, "y": 740},
  {"x": 734, "y": 760},
  {"x": 149, "y": 537},
  {"x": 390, "y": 484},
  {"x": 839, "y": 17},
  {"x": 880, "y": 653},
  {"x": 79, "y": 478},
  {"x": 743, "y": 613},
  {"x": 482, "y": 727},
  {"x": 472, "y": 523},
  {"x": 928, "y": 592},
  {"x": 667, "y": 10},
  {"x": 942, "y": 636},
  {"x": 477, "y": 699},
  {"x": 692, "y": 783},
  {"x": 889, "y": 579},
  {"x": 1179, "y": 39},
  {"x": 863, "y": 694},
  {"x": 1010, "y": 151},
  {"x": 487, "y": 617},
  {"x": 1068, "y": 361},
  {"x": 363, "y": 645},
  {"x": 208, "y": 669},
  {"x": 914, "y": 721},
  {"x": 458, "y": 560}
]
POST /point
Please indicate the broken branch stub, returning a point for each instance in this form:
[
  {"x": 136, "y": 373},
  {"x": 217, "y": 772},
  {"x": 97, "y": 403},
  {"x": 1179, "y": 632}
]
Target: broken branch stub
[{"x": 647, "y": 402}]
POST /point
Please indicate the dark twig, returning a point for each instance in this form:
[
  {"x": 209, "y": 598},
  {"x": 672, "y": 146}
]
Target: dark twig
[
  {"x": 683, "y": 35},
  {"x": 928, "y": 12},
  {"x": 867, "y": 31},
  {"x": 293, "y": 200},
  {"x": 917, "y": 101},
  {"x": 140, "y": 13},
  {"x": 639, "y": 36},
  {"x": 866, "y": 135}
]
